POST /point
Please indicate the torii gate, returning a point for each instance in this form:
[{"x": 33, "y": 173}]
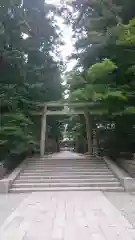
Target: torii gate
[{"x": 65, "y": 111}]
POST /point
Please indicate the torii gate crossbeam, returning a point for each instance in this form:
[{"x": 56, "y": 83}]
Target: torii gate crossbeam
[{"x": 47, "y": 112}]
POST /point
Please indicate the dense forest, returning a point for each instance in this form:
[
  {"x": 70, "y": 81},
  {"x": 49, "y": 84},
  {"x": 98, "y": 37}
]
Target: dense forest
[
  {"x": 31, "y": 74},
  {"x": 104, "y": 33}
]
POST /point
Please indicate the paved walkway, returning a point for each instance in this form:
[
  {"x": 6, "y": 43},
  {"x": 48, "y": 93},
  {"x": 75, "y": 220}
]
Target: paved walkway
[
  {"x": 66, "y": 155},
  {"x": 125, "y": 202},
  {"x": 66, "y": 216}
]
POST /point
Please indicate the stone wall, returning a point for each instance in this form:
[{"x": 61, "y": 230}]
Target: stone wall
[
  {"x": 128, "y": 166},
  {"x": 3, "y": 172}
]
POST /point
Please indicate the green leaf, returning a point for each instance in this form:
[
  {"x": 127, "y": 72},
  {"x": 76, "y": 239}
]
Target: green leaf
[
  {"x": 101, "y": 70},
  {"x": 3, "y": 142},
  {"x": 116, "y": 94},
  {"x": 130, "y": 109}
]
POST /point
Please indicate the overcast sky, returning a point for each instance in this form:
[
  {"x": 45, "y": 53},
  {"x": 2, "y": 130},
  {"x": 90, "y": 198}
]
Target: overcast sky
[{"x": 68, "y": 48}]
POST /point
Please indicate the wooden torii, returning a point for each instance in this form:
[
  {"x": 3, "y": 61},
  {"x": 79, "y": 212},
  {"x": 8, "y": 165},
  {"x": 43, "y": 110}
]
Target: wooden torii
[{"x": 67, "y": 110}]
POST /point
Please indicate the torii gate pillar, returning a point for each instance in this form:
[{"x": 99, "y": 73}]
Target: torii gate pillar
[
  {"x": 88, "y": 131},
  {"x": 43, "y": 132}
]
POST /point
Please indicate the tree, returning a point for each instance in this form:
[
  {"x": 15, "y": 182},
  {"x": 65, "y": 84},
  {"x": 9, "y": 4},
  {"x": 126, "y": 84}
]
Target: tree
[
  {"x": 92, "y": 22},
  {"x": 29, "y": 73},
  {"x": 104, "y": 32}
]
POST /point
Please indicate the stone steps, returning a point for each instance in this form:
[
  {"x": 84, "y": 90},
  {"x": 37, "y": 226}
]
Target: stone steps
[
  {"x": 68, "y": 180},
  {"x": 105, "y": 189},
  {"x": 45, "y": 173},
  {"x": 53, "y": 161},
  {"x": 66, "y": 175},
  {"x": 69, "y": 184},
  {"x": 95, "y": 176},
  {"x": 65, "y": 164},
  {"x": 64, "y": 170},
  {"x": 66, "y": 167},
  {"x": 65, "y": 161}
]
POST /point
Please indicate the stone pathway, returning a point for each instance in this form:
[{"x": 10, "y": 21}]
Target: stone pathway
[
  {"x": 125, "y": 202},
  {"x": 66, "y": 171},
  {"x": 8, "y": 204},
  {"x": 66, "y": 155},
  {"x": 66, "y": 216}
]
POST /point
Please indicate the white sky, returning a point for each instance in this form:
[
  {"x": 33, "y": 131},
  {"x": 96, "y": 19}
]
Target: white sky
[{"x": 68, "y": 48}]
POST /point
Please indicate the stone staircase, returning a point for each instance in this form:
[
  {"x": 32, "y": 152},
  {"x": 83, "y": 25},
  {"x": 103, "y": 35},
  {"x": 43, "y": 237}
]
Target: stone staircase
[{"x": 66, "y": 175}]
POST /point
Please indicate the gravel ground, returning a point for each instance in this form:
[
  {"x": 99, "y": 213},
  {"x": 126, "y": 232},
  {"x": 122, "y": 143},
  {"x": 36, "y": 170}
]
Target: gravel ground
[{"x": 124, "y": 202}]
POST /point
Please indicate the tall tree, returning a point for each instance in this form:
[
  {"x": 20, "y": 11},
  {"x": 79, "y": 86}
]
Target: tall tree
[
  {"x": 104, "y": 32},
  {"x": 29, "y": 73}
]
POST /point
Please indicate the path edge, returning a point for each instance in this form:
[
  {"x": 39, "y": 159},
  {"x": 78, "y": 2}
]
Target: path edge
[
  {"x": 126, "y": 181},
  {"x": 6, "y": 182}
]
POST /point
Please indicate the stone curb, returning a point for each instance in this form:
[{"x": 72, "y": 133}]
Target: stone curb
[
  {"x": 126, "y": 181},
  {"x": 6, "y": 182}
]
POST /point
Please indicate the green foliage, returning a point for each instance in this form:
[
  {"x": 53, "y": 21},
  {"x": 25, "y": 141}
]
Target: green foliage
[
  {"x": 127, "y": 34},
  {"x": 29, "y": 73},
  {"x": 99, "y": 86},
  {"x": 105, "y": 46},
  {"x": 99, "y": 72}
]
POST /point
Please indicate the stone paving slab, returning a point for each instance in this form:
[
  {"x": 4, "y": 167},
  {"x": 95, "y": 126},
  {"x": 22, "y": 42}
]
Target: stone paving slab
[
  {"x": 66, "y": 216},
  {"x": 66, "y": 155},
  {"x": 124, "y": 202},
  {"x": 8, "y": 204}
]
